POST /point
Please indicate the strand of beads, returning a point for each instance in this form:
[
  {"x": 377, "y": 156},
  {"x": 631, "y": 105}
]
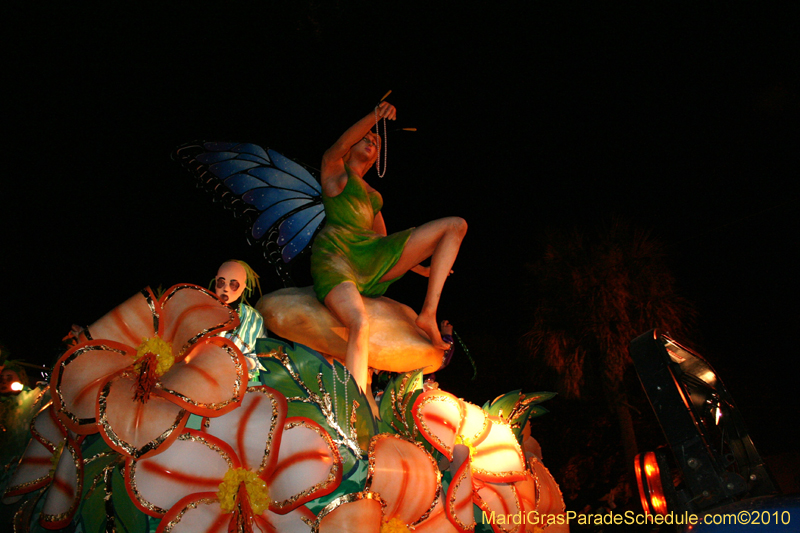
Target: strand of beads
[
  {"x": 385, "y": 145},
  {"x": 345, "y": 378}
]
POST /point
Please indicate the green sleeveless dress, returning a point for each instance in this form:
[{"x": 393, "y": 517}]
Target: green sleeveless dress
[{"x": 347, "y": 249}]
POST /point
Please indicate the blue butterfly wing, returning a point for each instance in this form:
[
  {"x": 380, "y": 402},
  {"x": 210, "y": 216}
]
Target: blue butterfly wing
[
  {"x": 282, "y": 197},
  {"x": 296, "y": 232},
  {"x": 293, "y": 168},
  {"x": 276, "y": 212}
]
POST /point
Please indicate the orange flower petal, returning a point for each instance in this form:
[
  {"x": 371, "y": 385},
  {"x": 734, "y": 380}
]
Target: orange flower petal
[
  {"x": 458, "y": 503},
  {"x": 476, "y": 424},
  {"x": 254, "y": 429},
  {"x": 498, "y": 457},
  {"x": 437, "y": 521},
  {"x": 438, "y": 415},
  {"x": 33, "y": 471},
  {"x": 78, "y": 376},
  {"x": 210, "y": 380},
  {"x": 291, "y": 522},
  {"x": 191, "y": 312},
  {"x": 308, "y": 466},
  {"x": 130, "y": 322},
  {"x": 201, "y": 513},
  {"x": 550, "y": 501},
  {"x": 405, "y": 475},
  {"x": 47, "y": 428},
  {"x": 194, "y": 463},
  {"x": 63, "y": 496},
  {"x": 134, "y": 428},
  {"x": 353, "y": 513},
  {"x": 196, "y": 513},
  {"x": 528, "y": 492},
  {"x": 501, "y": 506}
]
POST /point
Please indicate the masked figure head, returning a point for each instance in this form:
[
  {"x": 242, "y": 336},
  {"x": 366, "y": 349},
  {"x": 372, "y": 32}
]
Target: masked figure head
[{"x": 231, "y": 280}]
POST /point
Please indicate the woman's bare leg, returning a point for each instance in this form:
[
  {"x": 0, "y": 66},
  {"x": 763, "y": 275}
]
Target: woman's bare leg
[
  {"x": 440, "y": 240},
  {"x": 345, "y": 302}
]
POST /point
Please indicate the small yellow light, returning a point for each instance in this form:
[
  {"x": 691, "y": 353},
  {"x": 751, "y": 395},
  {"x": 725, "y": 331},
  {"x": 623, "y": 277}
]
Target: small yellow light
[{"x": 16, "y": 386}]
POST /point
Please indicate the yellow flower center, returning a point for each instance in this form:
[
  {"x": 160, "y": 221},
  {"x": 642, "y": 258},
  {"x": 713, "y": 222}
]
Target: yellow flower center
[
  {"x": 153, "y": 359},
  {"x": 468, "y": 443},
  {"x": 394, "y": 525},
  {"x": 257, "y": 491},
  {"x": 55, "y": 458},
  {"x": 158, "y": 347}
]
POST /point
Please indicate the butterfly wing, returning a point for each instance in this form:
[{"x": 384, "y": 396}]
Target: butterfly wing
[{"x": 280, "y": 198}]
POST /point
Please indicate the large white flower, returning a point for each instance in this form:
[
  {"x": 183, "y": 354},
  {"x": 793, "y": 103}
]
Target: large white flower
[
  {"x": 250, "y": 467},
  {"x": 148, "y": 364}
]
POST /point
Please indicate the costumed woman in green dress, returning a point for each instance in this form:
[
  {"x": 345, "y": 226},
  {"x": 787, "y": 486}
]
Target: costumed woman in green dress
[{"x": 353, "y": 256}]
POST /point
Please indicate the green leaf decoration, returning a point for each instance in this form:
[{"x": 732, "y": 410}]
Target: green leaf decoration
[
  {"x": 127, "y": 517},
  {"x": 98, "y": 457},
  {"x": 352, "y": 484},
  {"x": 517, "y": 408},
  {"x": 396, "y": 403},
  {"x": 308, "y": 382},
  {"x": 351, "y": 407},
  {"x": 106, "y": 505},
  {"x": 279, "y": 377},
  {"x": 16, "y": 413}
]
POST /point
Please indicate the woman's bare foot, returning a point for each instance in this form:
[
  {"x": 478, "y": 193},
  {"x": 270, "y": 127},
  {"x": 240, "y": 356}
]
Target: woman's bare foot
[{"x": 427, "y": 323}]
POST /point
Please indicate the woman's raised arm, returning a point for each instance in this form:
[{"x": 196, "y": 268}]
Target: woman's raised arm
[{"x": 333, "y": 158}]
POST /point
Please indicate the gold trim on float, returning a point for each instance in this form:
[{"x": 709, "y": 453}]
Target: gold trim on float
[
  {"x": 272, "y": 427},
  {"x": 499, "y": 475},
  {"x": 26, "y": 485},
  {"x": 193, "y": 505},
  {"x": 153, "y": 310},
  {"x": 332, "y": 473}
]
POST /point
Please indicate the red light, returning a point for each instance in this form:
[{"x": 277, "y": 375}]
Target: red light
[
  {"x": 648, "y": 477},
  {"x": 639, "y": 481}
]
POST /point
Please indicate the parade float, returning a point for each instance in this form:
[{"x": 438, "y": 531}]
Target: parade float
[{"x": 157, "y": 419}]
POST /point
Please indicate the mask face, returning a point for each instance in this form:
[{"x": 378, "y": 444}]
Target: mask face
[{"x": 231, "y": 281}]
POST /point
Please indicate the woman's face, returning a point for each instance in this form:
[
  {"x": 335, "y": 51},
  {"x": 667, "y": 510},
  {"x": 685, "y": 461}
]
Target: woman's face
[{"x": 368, "y": 147}]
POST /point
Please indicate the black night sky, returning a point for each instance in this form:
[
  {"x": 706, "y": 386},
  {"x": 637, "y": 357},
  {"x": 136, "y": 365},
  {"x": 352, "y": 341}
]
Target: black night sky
[{"x": 680, "y": 117}]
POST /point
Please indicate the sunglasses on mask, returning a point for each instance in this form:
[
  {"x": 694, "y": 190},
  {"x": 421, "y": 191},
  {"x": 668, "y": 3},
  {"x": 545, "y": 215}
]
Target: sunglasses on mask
[{"x": 234, "y": 285}]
